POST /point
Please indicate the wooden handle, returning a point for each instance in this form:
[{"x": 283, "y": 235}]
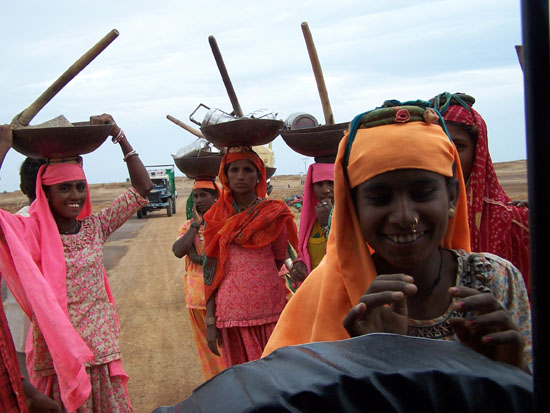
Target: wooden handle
[
  {"x": 185, "y": 126},
  {"x": 28, "y": 114},
  {"x": 519, "y": 51},
  {"x": 318, "y": 72},
  {"x": 225, "y": 77}
]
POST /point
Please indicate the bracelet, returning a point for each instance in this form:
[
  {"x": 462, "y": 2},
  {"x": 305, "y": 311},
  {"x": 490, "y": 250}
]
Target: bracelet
[
  {"x": 210, "y": 321},
  {"x": 195, "y": 225},
  {"x": 288, "y": 263},
  {"x": 118, "y": 138},
  {"x": 129, "y": 154}
]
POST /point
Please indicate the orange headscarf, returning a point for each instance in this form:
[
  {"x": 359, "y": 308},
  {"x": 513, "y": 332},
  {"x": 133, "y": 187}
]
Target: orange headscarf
[
  {"x": 259, "y": 225},
  {"x": 206, "y": 183},
  {"x": 316, "y": 311}
]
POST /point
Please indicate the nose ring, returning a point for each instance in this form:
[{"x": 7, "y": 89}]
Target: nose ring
[{"x": 414, "y": 224}]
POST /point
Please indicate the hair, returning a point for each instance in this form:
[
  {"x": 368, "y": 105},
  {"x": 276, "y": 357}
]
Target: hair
[
  {"x": 469, "y": 129},
  {"x": 212, "y": 192},
  {"x": 28, "y": 172}
]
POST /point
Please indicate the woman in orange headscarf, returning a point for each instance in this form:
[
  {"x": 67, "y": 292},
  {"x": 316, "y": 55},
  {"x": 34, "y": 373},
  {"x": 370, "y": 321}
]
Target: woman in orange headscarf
[
  {"x": 190, "y": 243},
  {"x": 398, "y": 255},
  {"x": 246, "y": 240}
]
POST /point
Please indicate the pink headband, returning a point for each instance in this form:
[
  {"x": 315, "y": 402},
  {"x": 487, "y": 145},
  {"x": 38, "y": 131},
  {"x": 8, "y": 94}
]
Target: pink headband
[{"x": 62, "y": 172}]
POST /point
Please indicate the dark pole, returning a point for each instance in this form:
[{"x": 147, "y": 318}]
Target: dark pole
[{"x": 536, "y": 72}]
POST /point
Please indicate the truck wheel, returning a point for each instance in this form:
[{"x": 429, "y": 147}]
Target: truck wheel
[
  {"x": 139, "y": 214},
  {"x": 169, "y": 207}
]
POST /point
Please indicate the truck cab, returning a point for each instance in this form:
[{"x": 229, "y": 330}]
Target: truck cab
[{"x": 164, "y": 194}]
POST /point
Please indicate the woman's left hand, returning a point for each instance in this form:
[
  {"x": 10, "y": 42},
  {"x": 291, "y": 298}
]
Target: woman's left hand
[
  {"x": 322, "y": 209},
  {"x": 492, "y": 332},
  {"x": 105, "y": 119}
]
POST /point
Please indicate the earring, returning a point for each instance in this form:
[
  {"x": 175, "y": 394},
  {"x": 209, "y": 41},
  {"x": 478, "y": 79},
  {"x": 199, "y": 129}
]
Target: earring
[
  {"x": 414, "y": 224},
  {"x": 452, "y": 212}
]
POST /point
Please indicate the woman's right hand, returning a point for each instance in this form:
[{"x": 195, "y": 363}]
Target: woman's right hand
[
  {"x": 298, "y": 273},
  {"x": 383, "y": 308},
  {"x": 214, "y": 338},
  {"x": 197, "y": 217}
]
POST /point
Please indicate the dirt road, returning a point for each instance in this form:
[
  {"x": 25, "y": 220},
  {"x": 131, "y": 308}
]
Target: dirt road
[{"x": 147, "y": 281}]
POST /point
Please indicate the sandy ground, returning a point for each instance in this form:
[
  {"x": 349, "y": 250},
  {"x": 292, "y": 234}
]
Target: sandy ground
[{"x": 147, "y": 282}]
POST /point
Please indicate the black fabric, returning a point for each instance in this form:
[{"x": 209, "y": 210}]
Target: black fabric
[{"x": 372, "y": 373}]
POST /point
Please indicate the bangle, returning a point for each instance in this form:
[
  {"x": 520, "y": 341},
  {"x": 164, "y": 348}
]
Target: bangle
[
  {"x": 210, "y": 321},
  {"x": 129, "y": 154},
  {"x": 288, "y": 264},
  {"x": 195, "y": 225},
  {"x": 119, "y": 136}
]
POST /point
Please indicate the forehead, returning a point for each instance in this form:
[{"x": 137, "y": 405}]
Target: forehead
[
  {"x": 459, "y": 134},
  {"x": 75, "y": 182},
  {"x": 402, "y": 178},
  {"x": 242, "y": 163},
  {"x": 200, "y": 191}
]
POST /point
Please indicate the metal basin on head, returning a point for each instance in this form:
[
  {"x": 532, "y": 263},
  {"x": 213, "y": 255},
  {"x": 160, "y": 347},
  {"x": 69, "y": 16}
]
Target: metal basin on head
[
  {"x": 60, "y": 142},
  {"x": 199, "y": 167},
  {"x": 269, "y": 172},
  {"x": 321, "y": 141},
  {"x": 242, "y": 132}
]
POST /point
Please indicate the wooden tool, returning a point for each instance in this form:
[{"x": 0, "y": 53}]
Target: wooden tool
[
  {"x": 28, "y": 114},
  {"x": 225, "y": 77},
  {"x": 318, "y": 72},
  {"x": 185, "y": 126}
]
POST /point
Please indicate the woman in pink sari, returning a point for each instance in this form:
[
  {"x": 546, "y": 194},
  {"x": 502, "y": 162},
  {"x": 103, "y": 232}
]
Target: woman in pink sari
[
  {"x": 314, "y": 220},
  {"x": 53, "y": 264}
]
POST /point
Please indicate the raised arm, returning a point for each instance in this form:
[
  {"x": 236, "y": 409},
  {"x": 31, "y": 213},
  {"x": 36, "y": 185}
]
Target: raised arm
[{"x": 139, "y": 177}]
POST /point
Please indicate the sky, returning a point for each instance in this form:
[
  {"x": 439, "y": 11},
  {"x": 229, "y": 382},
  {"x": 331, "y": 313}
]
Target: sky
[{"x": 162, "y": 64}]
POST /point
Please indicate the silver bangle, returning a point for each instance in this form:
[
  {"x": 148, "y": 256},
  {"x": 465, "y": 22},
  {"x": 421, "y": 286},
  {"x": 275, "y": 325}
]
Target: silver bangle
[{"x": 129, "y": 154}]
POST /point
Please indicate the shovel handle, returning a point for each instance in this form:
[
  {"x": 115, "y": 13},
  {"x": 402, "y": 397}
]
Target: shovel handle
[
  {"x": 185, "y": 126},
  {"x": 28, "y": 114},
  {"x": 318, "y": 72},
  {"x": 225, "y": 76}
]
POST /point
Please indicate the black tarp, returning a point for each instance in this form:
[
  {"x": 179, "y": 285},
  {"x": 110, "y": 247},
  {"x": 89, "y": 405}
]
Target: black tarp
[{"x": 374, "y": 373}]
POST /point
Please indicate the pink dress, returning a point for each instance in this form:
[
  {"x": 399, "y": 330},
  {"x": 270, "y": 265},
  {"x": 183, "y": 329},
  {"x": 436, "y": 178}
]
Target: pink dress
[
  {"x": 250, "y": 299},
  {"x": 90, "y": 311}
]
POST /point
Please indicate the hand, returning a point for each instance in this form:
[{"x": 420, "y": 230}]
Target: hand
[
  {"x": 105, "y": 119},
  {"x": 214, "y": 338},
  {"x": 298, "y": 272},
  {"x": 383, "y": 308},
  {"x": 197, "y": 217},
  {"x": 6, "y": 136},
  {"x": 322, "y": 209},
  {"x": 517, "y": 203},
  {"x": 492, "y": 332},
  {"x": 37, "y": 402}
]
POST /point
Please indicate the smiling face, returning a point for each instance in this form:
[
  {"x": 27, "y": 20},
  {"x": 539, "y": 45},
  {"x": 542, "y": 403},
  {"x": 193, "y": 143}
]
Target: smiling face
[
  {"x": 324, "y": 190},
  {"x": 242, "y": 176},
  {"x": 387, "y": 206},
  {"x": 466, "y": 147},
  {"x": 66, "y": 199},
  {"x": 203, "y": 199}
]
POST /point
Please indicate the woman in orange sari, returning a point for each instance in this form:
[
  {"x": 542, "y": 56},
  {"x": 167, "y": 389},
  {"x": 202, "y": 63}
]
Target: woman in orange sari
[
  {"x": 190, "y": 243},
  {"x": 246, "y": 237},
  {"x": 398, "y": 257}
]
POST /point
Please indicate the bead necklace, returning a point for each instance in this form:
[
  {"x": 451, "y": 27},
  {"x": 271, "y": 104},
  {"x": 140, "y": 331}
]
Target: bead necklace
[
  {"x": 73, "y": 230},
  {"x": 429, "y": 290}
]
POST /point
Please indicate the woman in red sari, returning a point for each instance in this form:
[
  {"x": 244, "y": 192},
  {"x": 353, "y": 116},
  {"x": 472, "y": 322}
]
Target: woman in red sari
[
  {"x": 246, "y": 237},
  {"x": 497, "y": 224}
]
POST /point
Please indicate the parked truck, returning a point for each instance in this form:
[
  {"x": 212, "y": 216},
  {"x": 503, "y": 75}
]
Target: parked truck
[{"x": 164, "y": 194}]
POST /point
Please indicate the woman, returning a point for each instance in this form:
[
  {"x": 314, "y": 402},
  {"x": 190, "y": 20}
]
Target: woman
[
  {"x": 314, "y": 219},
  {"x": 190, "y": 243},
  {"x": 399, "y": 233},
  {"x": 53, "y": 262},
  {"x": 497, "y": 224},
  {"x": 245, "y": 242}
]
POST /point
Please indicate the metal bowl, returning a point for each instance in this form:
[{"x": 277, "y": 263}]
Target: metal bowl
[
  {"x": 60, "y": 142},
  {"x": 242, "y": 132},
  {"x": 199, "y": 167},
  {"x": 269, "y": 172},
  {"x": 321, "y": 141}
]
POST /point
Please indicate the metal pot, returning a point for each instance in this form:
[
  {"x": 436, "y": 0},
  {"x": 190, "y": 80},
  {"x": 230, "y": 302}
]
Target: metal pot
[
  {"x": 213, "y": 116},
  {"x": 301, "y": 120}
]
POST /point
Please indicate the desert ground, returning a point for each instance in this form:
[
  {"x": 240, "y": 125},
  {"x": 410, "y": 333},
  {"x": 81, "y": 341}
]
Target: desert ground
[{"x": 147, "y": 283}]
